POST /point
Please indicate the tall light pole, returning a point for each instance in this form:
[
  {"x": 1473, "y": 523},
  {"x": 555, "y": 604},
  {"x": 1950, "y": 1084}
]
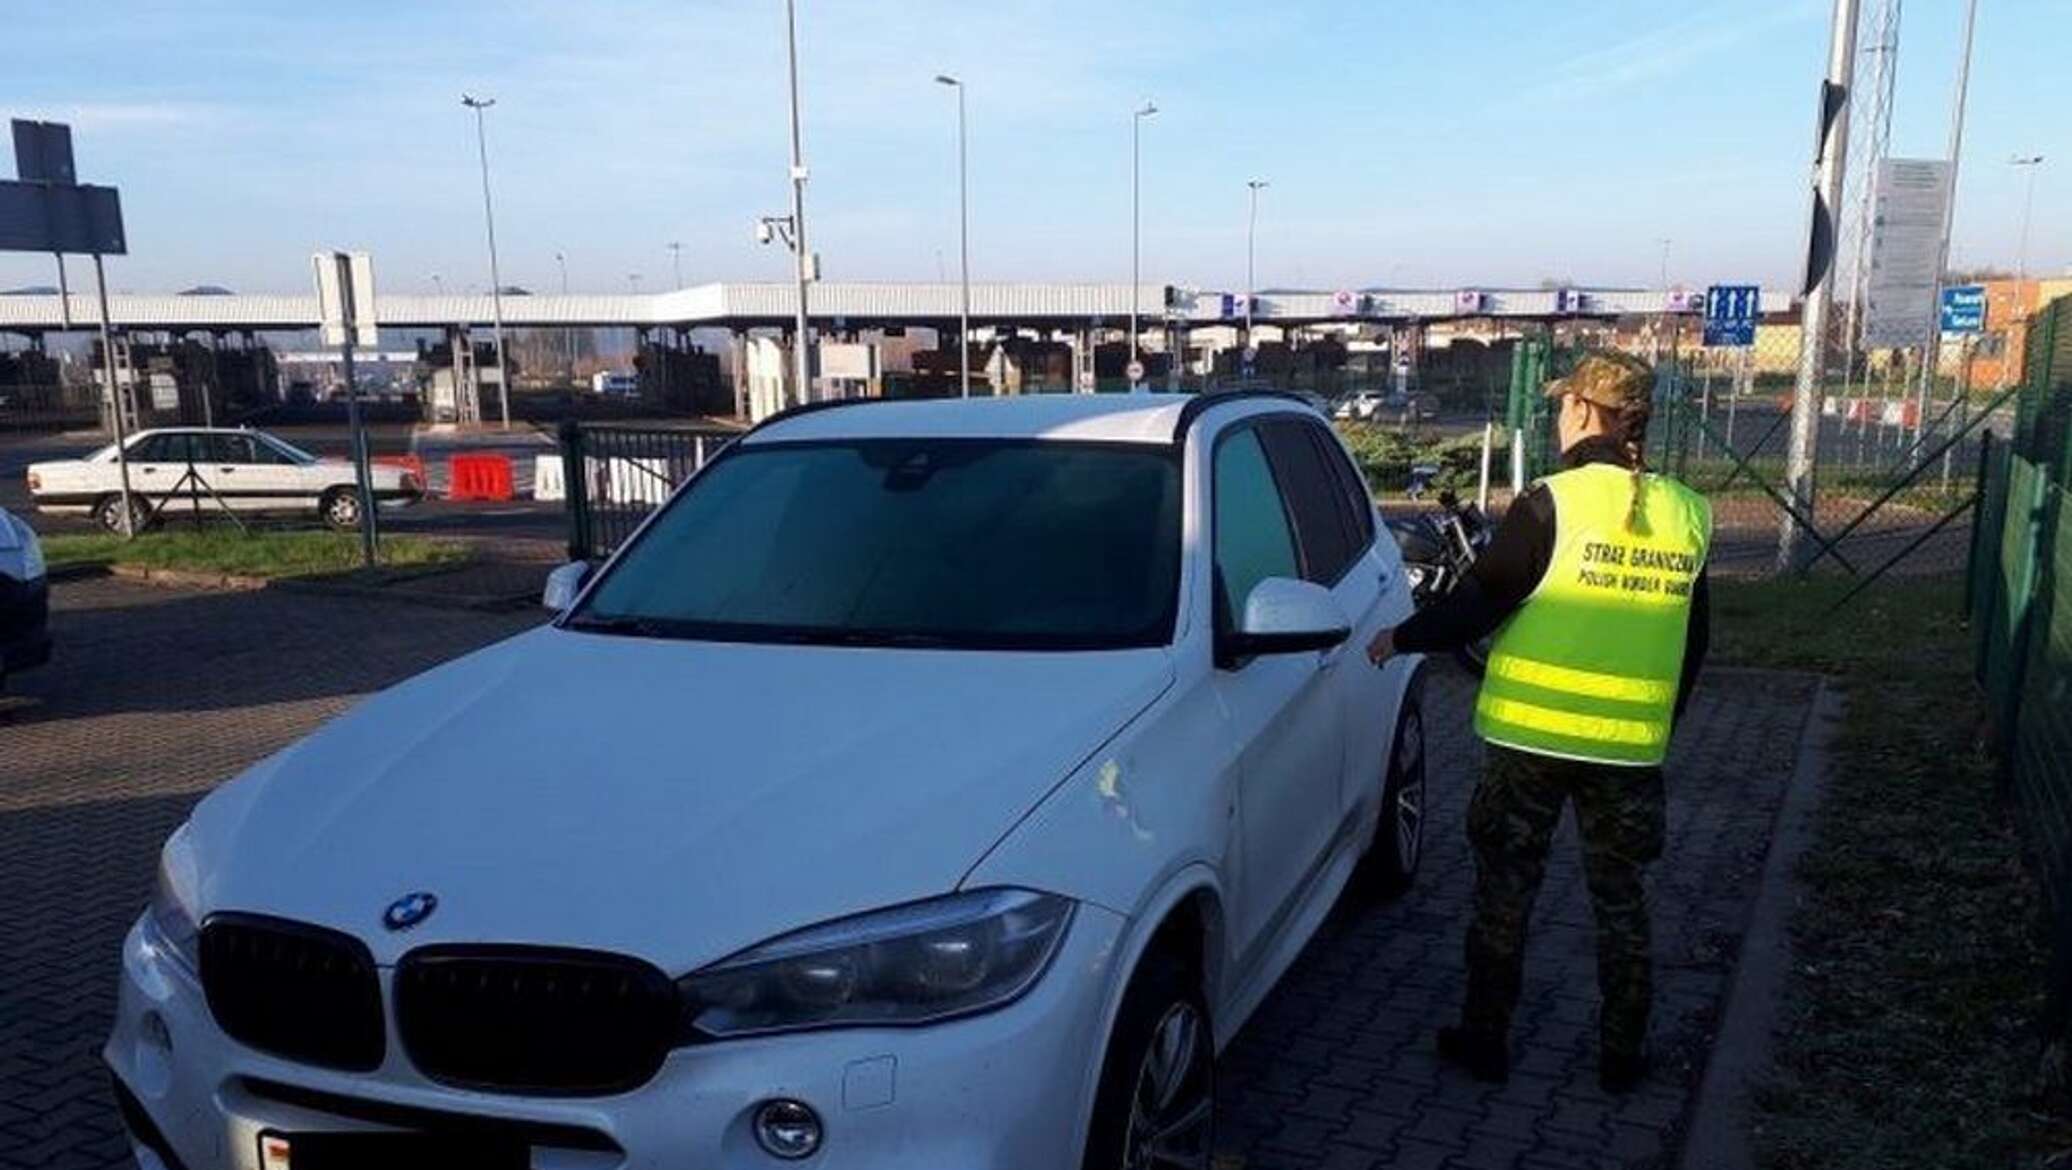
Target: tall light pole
[
  {"x": 1665, "y": 242},
  {"x": 1931, "y": 354},
  {"x": 802, "y": 254},
  {"x": 1136, "y": 219},
  {"x": 1830, "y": 158},
  {"x": 438, "y": 285},
  {"x": 569, "y": 336},
  {"x": 676, "y": 262},
  {"x": 1251, "y": 235},
  {"x": 2032, "y": 162},
  {"x": 496, "y": 280},
  {"x": 633, "y": 282},
  {"x": 963, "y": 244}
]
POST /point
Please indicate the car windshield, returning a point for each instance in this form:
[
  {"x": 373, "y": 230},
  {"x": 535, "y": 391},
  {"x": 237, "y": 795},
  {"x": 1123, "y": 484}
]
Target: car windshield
[
  {"x": 293, "y": 453},
  {"x": 953, "y": 543}
]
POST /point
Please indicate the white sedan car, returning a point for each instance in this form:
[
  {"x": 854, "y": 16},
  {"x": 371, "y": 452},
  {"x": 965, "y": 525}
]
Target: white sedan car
[
  {"x": 244, "y": 470},
  {"x": 927, "y": 785}
]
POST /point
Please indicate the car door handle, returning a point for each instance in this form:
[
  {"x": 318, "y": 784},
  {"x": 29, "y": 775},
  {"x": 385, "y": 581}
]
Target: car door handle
[{"x": 227, "y": 470}]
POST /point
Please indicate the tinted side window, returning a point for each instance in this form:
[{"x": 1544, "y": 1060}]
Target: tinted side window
[
  {"x": 228, "y": 449},
  {"x": 1352, "y": 489},
  {"x": 1314, "y": 499},
  {"x": 159, "y": 449},
  {"x": 1252, "y": 539}
]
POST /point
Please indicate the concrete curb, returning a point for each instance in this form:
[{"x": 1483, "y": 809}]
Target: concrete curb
[{"x": 1719, "y": 1136}]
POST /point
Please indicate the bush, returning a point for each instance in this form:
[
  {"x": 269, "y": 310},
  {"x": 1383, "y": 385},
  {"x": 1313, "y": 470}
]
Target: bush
[{"x": 1386, "y": 455}]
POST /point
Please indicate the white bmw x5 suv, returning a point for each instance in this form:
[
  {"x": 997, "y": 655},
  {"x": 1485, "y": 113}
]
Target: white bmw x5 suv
[{"x": 927, "y": 785}]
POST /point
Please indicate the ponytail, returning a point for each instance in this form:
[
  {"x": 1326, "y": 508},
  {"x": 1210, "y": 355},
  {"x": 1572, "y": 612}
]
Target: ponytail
[{"x": 1632, "y": 435}]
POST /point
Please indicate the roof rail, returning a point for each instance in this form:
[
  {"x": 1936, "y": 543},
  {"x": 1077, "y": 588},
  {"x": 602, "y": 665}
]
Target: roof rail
[
  {"x": 792, "y": 412},
  {"x": 1210, "y": 399}
]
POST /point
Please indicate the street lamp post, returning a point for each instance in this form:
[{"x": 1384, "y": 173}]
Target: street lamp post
[
  {"x": 963, "y": 245},
  {"x": 1251, "y": 235},
  {"x": 802, "y": 255},
  {"x": 676, "y": 262},
  {"x": 1136, "y": 220},
  {"x": 2032, "y": 162},
  {"x": 496, "y": 281},
  {"x": 568, "y": 336}
]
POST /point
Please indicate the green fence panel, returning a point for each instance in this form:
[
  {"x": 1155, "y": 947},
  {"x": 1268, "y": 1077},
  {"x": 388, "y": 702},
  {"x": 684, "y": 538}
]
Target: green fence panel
[
  {"x": 2041, "y": 750},
  {"x": 2012, "y": 583}
]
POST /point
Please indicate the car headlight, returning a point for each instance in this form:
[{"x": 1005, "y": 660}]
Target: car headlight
[
  {"x": 171, "y": 918},
  {"x": 910, "y": 964}
]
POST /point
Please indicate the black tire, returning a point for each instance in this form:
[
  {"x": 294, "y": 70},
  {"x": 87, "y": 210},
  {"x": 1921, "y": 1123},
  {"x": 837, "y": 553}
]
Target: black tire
[
  {"x": 108, "y": 513},
  {"x": 1164, "y": 1001},
  {"x": 1397, "y": 849},
  {"x": 339, "y": 509}
]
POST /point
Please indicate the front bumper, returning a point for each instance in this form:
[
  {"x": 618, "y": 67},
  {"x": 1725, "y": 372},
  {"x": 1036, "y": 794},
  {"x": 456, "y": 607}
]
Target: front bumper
[
  {"x": 1004, "y": 1090},
  {"x": 24, "y": 623}
]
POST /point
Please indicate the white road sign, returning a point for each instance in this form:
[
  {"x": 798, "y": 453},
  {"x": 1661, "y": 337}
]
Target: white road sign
[
  {"x": 1134, "y": 371},
  {"x": 346, "y": 298},
  {"x": 1909, "y": 198}
]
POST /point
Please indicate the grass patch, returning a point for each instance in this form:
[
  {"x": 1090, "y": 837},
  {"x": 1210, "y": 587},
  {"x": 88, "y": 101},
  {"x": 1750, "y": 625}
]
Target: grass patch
[
  {"x": 1907, "y": 1035},
  {"x": 258, "y": 554}
]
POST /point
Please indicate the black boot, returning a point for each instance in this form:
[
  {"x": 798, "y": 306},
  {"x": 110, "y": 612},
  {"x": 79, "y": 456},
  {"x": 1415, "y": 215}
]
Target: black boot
[
  {"x": 1620, "y": 1072},
  {"x": 1484, "y": 1055}
]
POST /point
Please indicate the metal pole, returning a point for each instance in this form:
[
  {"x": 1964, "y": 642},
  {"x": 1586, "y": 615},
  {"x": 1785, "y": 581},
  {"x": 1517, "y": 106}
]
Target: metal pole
[
  {"x": 676, "y": 263},
  {"x": 963, "y": 251},
  {"x": 963, "y": 244},
  {"x": 129, "y": 527},
  {"x": 1251, "y": 237},
  {"x": 568, "y": 339},
  {"x": 801, "y": 359},
  {"x": 1136, "y": 222},
  {"x": 496, "y": 280},
  {"x": 352, "y": 411},
  {"x": 1932, "y": 356},
  {"x": 64, "y": 293},
  {"x": 2021, "y": 266},
  {"x": 1830, "y": 159}
]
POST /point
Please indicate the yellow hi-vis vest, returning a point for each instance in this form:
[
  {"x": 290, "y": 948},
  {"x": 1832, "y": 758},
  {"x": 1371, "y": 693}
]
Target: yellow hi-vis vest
[{"x": 1588, "y": 667}]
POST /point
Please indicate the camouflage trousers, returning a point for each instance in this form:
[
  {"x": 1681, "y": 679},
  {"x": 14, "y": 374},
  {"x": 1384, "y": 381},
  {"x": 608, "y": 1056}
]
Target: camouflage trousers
[{"x": 1511, "y": 820}]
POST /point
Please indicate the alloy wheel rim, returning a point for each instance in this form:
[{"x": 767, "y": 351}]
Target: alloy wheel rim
[
  {"x": 1410, "y": 791},
  {"x": 1172, "y": 1102},
  {"x": 345, "y": 510}
]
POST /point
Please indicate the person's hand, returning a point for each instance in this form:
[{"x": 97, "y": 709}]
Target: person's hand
[{"x": 1383, "y": 647}]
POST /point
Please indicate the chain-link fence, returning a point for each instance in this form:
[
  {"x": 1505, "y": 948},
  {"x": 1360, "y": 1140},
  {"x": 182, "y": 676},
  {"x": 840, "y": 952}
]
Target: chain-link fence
[
  {"x": 2019, "y": 593},
  {"x": 1896, "y": 462}
]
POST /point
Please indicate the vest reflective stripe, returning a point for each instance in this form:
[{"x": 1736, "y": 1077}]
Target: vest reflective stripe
[
  {"x": 1574, "y": 726},
  {"x": 1594, "y": 683},
  {"x": 1588, "y": 668}
]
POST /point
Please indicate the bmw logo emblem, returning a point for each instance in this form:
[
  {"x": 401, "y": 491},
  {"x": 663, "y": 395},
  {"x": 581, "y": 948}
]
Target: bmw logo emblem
[{"x": 409, "y": 910}]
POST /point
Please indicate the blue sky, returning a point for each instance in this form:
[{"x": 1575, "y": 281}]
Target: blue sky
[{"x": 1437, "y": 144}]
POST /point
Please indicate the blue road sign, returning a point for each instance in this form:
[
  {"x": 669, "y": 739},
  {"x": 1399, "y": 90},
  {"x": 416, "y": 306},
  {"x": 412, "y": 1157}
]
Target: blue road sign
[
  {"x": 1964, "y": 309},
  {"x": 1730, "y": 314}
]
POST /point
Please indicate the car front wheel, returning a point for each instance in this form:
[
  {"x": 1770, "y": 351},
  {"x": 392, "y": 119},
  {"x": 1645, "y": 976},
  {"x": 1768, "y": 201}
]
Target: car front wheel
[{"x": 1156, "y": 1106}]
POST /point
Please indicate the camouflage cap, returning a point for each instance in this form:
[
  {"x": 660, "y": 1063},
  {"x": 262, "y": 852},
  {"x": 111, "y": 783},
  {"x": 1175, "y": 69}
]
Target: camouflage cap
[{"x": 1609, "y": 379}]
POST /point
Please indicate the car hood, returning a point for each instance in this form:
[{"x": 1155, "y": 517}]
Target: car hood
[{"x": 675, "y": 800}]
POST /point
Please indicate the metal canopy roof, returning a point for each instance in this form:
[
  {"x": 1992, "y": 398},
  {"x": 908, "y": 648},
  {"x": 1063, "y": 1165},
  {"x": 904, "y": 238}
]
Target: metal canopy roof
[{"x": 858, "y": 304}]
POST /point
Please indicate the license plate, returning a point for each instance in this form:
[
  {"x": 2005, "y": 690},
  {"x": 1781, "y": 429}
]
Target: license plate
[{"x": 391, "y": 1150}]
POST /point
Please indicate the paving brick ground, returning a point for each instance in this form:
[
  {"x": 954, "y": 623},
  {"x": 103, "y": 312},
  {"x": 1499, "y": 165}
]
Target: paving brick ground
[
  {"x": 158, "y": 694},
  {"x": 1337, "y": 1068}
]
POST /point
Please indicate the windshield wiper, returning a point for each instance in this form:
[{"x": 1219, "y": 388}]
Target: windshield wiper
[{"x": 638, "y": 627}]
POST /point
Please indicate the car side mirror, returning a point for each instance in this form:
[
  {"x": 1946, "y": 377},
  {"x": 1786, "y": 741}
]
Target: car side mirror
[
  {"x": 564, "y": 583},
  {"x": 1286, "y": 616}
]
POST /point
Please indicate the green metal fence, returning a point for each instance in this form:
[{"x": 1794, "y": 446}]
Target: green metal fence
[{"x": 2019, "y": 591}]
